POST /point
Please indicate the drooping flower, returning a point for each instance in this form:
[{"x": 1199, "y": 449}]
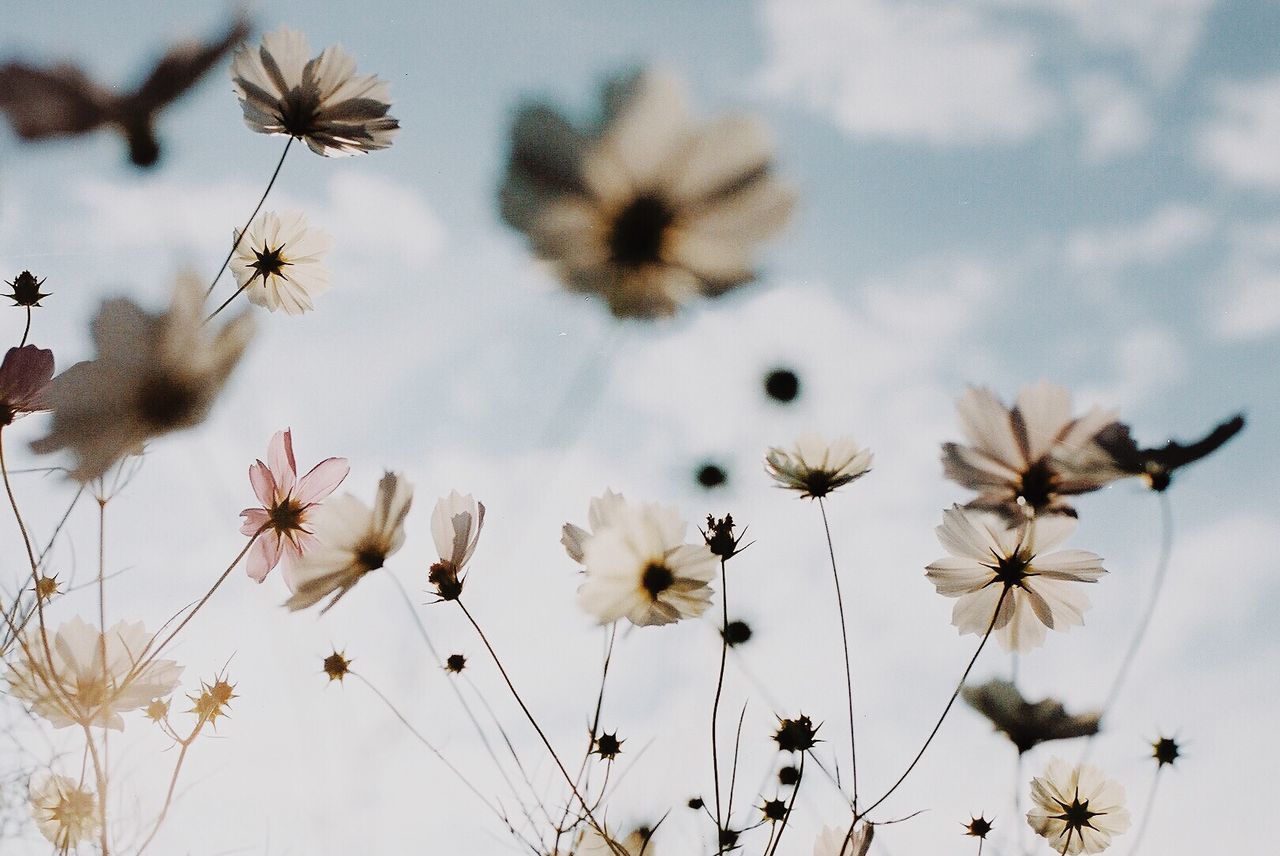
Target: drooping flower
[
  {"x": 69, "y": 685},
  {"x": 321, "y": 100},
  {"x": 600, "y": 513},
  {"x": 844, "y": 840},
  {"x": 278, "y": 262},
  {"x": 353, "y": 540},
  {"x": 455, "y": 526},
  {"x": 1025, "y": 723},
  {"x": 638, "y": 566},
  {"x": 993, "y": 563},
  {"x": 638, "y": 843},
  {"x": 288, "y": 502},
  {"x": 649, "y": 209},
  {"x": 65, "y": 812},
  {"x": 154, "y": 374},
  {"x": 814, "y": 467},
  {"x": 1013, "y": 455},
  {"x": 24, "y": 374},
  {"x": 1076, "y": 809}
]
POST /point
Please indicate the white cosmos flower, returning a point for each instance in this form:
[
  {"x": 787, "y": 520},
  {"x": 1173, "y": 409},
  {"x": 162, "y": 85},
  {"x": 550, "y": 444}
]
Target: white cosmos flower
[
  {"x": 455, "y": 526},
  {"x": 994, "y": 563},
  {"x": 154, "y": 373},
  {"x": 68, "y": 684},
  {"x": 638, "y": 567},
  {"x": 1013, "y": 457},
  {"x": 815, "y": 467},
  {"x": 599, "y": 513},
  {"x": 650, "y": 209},
  {"x": 278, "y": 262},
  {"x": 1077, "y": 809},
  {"x": 283, "y": 90},
  {"x": 64, "y": 812},
  {"x": 354, "y": 540},
  {"x": 838, "y": 841}
]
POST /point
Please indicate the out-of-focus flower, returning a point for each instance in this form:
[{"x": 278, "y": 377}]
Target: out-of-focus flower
[
  {"x": 1076, "y": 809},
  {"x": 814, "y": 467},
  {"x": 212, "y": 700},
  {"x": 455, "y": 663},
  {"x": 157, "y": 710},
  {"x": 600, "y": 513},
  {"x": 651, "y": 208},
  {"x": 278, "y": 261},
  {"x": 65, "y": 812},
  {"x": 353, "y": 540},
  {"x": 1166, "y": 751},
  {"x": 73, "y": 687},
  {"x": 844, "y": 840},
  {"x": 455, "y": 526},
  {"x": 24, "y": 374},
  {"x": 321, "y": 100},
  {"x": 288, "y": 502},
  {"x": 1113, "y": 454},
  {"x": 994, "y": 563},
  {"x": 796, "y": 735},
  {"x": 1013, "y": 453},
  {"x": 1026, "y": 723},
  {"x": 336, "y": 666},
  {"x": 979, "y": 827},
  {"x": 608, "y": 746},
  {"x": 155, "y": 373},
  {"x": 638, "y": 843},
  {"x": 26, "y": 290},
  {"x": 639, "y": 567}
]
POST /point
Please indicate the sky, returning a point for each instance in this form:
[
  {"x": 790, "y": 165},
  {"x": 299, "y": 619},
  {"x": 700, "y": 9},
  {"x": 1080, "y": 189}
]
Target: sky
[{"x": 991, "y": 193}]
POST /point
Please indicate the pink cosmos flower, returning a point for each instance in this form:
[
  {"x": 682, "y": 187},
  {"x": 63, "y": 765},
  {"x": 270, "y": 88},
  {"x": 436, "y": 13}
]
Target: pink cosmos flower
[
  {"x": 25, "y": 373},
  {"x": 287, "y": 502}
]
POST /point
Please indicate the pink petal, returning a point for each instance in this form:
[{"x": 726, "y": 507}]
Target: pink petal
[
  {"x": 263, "y": 556},
  {"x": 23, "y": 376},
  {"x": 254, "y": 518},
  {"x": 264, "y": 484},
  {"x": 322, "y": 480},
  {"x": 280, "y": 457}
]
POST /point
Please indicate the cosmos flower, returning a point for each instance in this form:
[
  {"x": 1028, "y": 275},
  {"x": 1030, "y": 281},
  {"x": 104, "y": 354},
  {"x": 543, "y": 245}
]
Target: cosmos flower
[
  {"x": 1026, "y": 723},
  {"x": 1076, "y": 809},
  {"x": 1012, "y": 456},
  {"x": 24, "y": 374},
  {"x": 840, "y": 841},
  {"x": 651, "y": 208},
  {"x": 1114, "y": 454},
  {"x": 600, "y": 513},
  {"x": 814, "y": 467},
  {"x": 72, "y": 687},
  {"x": 994, "y": 563},
  {"x": 154, "y": 374},
  {"x": 287, "y": 504},
  {"x": 320, "y": 100},
  {"x": 455, "y": 526},
  {"x": 65, "y": 812},
  {"x": 353, "y": 540},
  {"x": 639, "y": 567},
  {"x": 592, "y": 843},
  {"x": 277, "y": 262}
]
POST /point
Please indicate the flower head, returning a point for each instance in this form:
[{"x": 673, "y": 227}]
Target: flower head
[
  {"x": 353, "y": 540},
  {"x": 1166, "y": 751},
  {"x": 24, "y": 375},
  {"x": 455, "y": 663},
  {"x": 65, "y": 812},
  {"x": 26, "y": 290},
  {"x": 1076, "y": 809},
  {"x": 978, "y": 827},
  {"x": 1013, "y": 453},
  {"x": 994, "y": 564},
  {"x": 638, "y": 566},
  {"x": 336, "y": 666},
  {"x": 844, "y": 840},
  {"x": 288, "y": 503},
  {"x": 796, "y": 735},
  {"x": 1026, "y": 723},
  {"x": 321, "y": 100},
  {"x": 650, "y": 209},
  {"x": 154, "y": 374},
  {"x": 600, "y": 513},
  {"x": 608, "y": 746},
  {"x": 455, "y": 526},
  {"x": 278, "y": 262},
  {"x": 815, "y": 467},
  {"x": 212, "y": 700},
  {"x": 70, "y": 685}
]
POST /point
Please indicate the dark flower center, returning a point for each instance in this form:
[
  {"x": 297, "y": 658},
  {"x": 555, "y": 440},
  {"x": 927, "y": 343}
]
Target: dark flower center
[
  {"x": 1011, "y": 570},
  {"x": 1076, "y": 815},
  {"x": 285, "y": 516},
  {"x": 165, "y": 402},
  {"x": 636, "y": 236},
  {"x": 444, "y": 576},
  {"x": 1038, "y": 484},
  {"x": 370, "y": 558},
  {"x": 818, "y": 483},
  {"x": 298, "y": 110},
  {"x": 657, "y": 579},
  {"x": 6, "y": 413},
  {"x": 269, "y": 262}
]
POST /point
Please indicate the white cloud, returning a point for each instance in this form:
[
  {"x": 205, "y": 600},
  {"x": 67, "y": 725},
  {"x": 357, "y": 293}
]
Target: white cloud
[
  {"x": 1114, "y": 116},
  {"x": 1241, "y": 140},
  {"x": 1246, "y": 304},
  {"x": 1170, "y": 232},
  {"x": 1146, "y": 360}
]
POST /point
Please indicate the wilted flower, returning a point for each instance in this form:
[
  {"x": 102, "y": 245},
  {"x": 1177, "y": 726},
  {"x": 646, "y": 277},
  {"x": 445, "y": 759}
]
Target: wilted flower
[
  {"x": 24, "y": 374},
  {"x": 288, "y": 502},
  {"x": 26, "y": 290},
  {"x": 455, "y": 526},
  {"x": 600, "y": 513},
  {"x": 592, "y": 843},
  {"x": 320, "y": 100},
  {"x": 639, "y": 567},
  {"x": 815, "y": 467},
  {"x": 353, "y": 540},
  {"x": 154, "y": 374},
  {"x": 278, "y": 261},
  {"x": 1076, "y": 808},
  {"x": 994, "y": 563},
  {"x": 1113, "y": 454},
  {"x": 47, "y": 586},
  {"x": 157, "y": 710},
  {"x": 65, "y": 812},
  {"x": 1012, "y": 459},
  {"x": 844, "y": 840},
  {"x": 1026, "y": 723},
  {"x": 74, "y": 687},
  {"x": 650, "y": 209}
]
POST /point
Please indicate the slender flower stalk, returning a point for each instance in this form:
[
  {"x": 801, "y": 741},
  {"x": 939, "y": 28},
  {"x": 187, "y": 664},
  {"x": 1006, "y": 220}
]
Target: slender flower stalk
[
  {"x": 715, "y": 705},
  {"x": 844, "y": 639},
  {"x": 235, "y": 245}
]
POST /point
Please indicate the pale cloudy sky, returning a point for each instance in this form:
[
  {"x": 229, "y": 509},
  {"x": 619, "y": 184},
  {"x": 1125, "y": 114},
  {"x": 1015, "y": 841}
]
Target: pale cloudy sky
[{"x": 991, "y": 193}]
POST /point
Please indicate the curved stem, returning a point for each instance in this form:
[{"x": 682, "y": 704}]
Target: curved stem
[
  {"x": 247, "y": 223},
  {"x": 715, "y": 706},
  {"x": 844, "y": 639},
  {"x": 959, "y": 684},
  {"x": 26, "y": 330},
  {"x": 782, "y": 824}
]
